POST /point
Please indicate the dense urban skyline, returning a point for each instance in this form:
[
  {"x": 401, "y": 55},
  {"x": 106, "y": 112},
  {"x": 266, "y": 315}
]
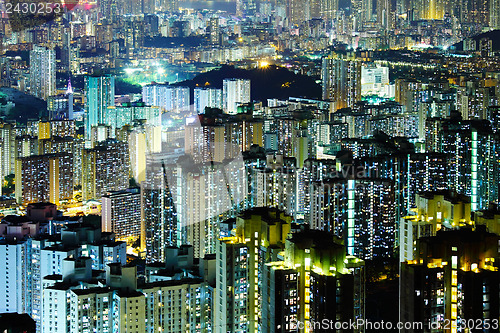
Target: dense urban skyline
[{"x": 250, "y": 166}]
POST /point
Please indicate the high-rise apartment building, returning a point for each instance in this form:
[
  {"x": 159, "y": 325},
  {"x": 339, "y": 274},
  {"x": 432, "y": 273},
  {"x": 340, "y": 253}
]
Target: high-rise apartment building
[
  {"x": 206, "y": 143},
  {"x": 99, "y": 95},
  {"x": 240, "y": 260},
  {"x": 42, "y": 72},
  {"x": 214, "y": 33},
  {"x": 7, "y": 147},
  {"x": 472, "y": 160},
  {"x": 121, "y": 214},
  {"x": 434, "y": 211},
  {"x": 105, "y": 168},
  {"x": 158, "y": 211},
  {"x": 361, "y": 211},
  {"x": 207, "y": 194},
  {"x": 316, "y": 281},
  {"x": 207, "y": 97},
  {"x": 167, "y": 97},
  {"x": 275, "y": 184},
  {"x": 44, "y": 178},
  {"x": 118, "y": 116},
  {"x": 15, "y": 291},
  {"x": 234, "y": 93},
  {"x": 266, "y": 277},
  {"x": 169, "y": 5},
  {"x": 385, "y": 14},
  {"x": 246, "y": 8},
  {"x": 341, "y": 76},
  {"x": 494, "y": 14},
  {"x": 297, "y": 12},
  {"x": 142, "y": 140},
  {"x": 453, "y": 278}
]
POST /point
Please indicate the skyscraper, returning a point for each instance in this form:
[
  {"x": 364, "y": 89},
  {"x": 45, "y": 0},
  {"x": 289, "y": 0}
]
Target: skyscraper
[
  {"x": 169, "y": 5},
  {"x": 106, "y": 7},
  {"x": 105, "y": 168},
  {"x": 207, "y": 97},
  {"x": 121, "y": 214},
  {"x": 15, "y": 268},
  {"x": 99, "y": 95},
  {"x": 297, "y": 11},
  {"x": 127, "y": 113},
  {"x": 158, "y": 212},
  {"x": 214, "y": 31},
  {"x": 7, "y": 147},
  {"x": 269, "y": 279},
  {"x": 328, "y": 10},
  {"x": 454, "y": 278},
  {"x": 235, "y": 92},
  {"x": 241, "y": 259},
  {"x": 169, "y": 98},
  {"x": 42, "y": 72},
  {"x": 341, "y": 76},
  {"x": 44, "y": 178},
  {"x": 246, "y": 8},
  {"x": 494, "y": 14},
  {"x": 366, "y": 10}
]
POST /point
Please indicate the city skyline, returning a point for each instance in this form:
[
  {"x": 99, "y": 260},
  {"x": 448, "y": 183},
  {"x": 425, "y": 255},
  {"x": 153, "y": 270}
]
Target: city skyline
[{"x": 250, "y": 166}]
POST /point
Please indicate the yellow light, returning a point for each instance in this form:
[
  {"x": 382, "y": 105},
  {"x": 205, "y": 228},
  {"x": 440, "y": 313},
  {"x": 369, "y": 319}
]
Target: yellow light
[{"x": 264, "y": 64}]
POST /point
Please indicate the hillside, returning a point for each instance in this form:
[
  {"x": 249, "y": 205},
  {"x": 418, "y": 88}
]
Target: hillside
[
  {"x": 27, "y": 106},
  {"x": 269, "y": 82},
  {"x": 494, "y": 35}
]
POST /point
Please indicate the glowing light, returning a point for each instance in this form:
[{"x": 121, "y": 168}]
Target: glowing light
[
  {"x": 129, "y": 71},
  {"x": 190, "y": 120},
  {"x": 264, "y": 64}
]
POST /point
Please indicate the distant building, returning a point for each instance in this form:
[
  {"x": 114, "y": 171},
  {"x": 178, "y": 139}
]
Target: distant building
[
  {"x": 214, "y": 30},
  {"x": 158, "y": 212},
  {"x": 42, "y": 72},
  {"x": 7, "y": 158},
  {"x": 207, "y": 97},
  {"x": 99, "y": 95},
  {"x": 235, "y": 92},
  {"x": 494, "y": 14},
  {"x": 167, "y": 97},
  {"x": 127, "y": 113},
  {"x": 341, "y": 76}
]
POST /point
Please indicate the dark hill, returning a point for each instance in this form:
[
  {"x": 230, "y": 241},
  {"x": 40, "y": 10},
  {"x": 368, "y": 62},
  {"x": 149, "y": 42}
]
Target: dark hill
[
  {"x": 269, "y": 82},
  {"x": 27, "y": 106},
  {"x": 494, "y": 35}
]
